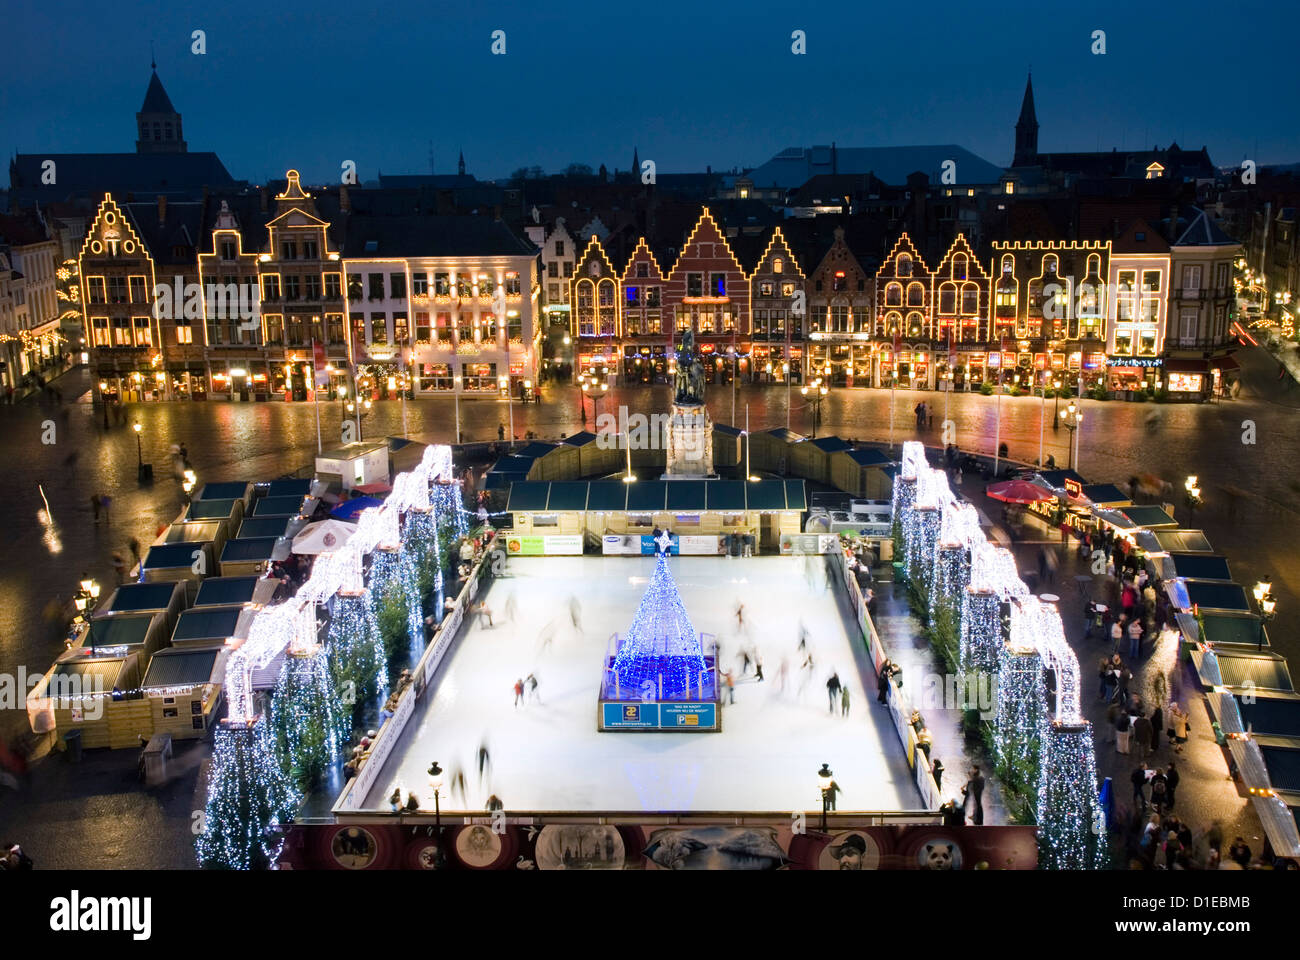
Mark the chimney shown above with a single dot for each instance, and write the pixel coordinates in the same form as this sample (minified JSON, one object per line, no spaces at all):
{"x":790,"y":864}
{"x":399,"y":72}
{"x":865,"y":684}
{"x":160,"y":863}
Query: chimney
{"x":162,"y":209}
{"x":345,"y":202}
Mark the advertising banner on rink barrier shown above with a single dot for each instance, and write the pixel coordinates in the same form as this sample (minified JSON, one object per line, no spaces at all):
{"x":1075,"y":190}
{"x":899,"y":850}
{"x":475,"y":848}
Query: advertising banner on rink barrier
{"x":566,"y":544}
{"x":621,"y":544}
{"x":809,"y":543}
{"x":850,"y":842}
{"x":701,"y":545}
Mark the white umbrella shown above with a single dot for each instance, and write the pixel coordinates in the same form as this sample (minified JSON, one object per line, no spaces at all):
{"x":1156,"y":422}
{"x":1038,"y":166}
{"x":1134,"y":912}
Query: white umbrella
{"x":323,"y":536}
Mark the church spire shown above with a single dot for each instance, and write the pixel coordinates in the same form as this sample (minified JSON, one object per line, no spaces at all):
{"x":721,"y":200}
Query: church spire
{"x":1026,"y":129}
{"x":158,"y":123}
{"x":460,"y":166}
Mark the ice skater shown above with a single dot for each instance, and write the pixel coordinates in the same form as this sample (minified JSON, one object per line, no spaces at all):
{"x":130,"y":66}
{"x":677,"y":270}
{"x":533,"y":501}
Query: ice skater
{"x":484,"y":614}
{"x":519,"y":692}
{"x":546,"y":636}
{"x":740,"y":618}
{"x":832,"y":691}
{"x":730,"y":683}
{"x":758,"y":667}
{"x":844,"y":701}
{"x":782,"y":675}
{"x":511,"y":608}
{"x":575,"y":615}
{"x":744,"y":662}
{"x":484,"y":762}
{"x":532,"y":688}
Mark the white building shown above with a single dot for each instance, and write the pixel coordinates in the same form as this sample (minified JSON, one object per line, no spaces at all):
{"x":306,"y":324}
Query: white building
{"x":449,"y":302}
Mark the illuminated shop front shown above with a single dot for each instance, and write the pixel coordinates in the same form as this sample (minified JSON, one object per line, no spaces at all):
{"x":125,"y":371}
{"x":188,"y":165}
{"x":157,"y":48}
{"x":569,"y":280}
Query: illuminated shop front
{"x":1128,"y":374}
{"x":645,"y":364}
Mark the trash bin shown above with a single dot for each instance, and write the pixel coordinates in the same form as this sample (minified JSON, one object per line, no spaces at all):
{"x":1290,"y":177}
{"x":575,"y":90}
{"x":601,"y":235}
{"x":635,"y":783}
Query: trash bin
{"x":146,"y":473}
{"x":72,"y":741}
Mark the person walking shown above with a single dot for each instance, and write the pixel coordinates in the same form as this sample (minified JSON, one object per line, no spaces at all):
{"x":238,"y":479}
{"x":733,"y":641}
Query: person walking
{"x":134,"y":546}
{"x":532,"y":688}
{"x":519,"y":692}
{"x":94,"y":506}
{"x":973,"y":795}
{"x":882,"y":682}
{"x":1116,"y":633}
{"x":501,"y":432}
{"x":832,"y":691}
{"x":1171,"y":784}
{"x":484,"y":761}
{"x":844,"y":701}
{"x":730,"y":683}
{"x":758,"y":667}
{"x":1157,"y":724}
{"x":1134,"y":639}
{"x":1159,"y":791}
{"x":1141,"y":735}
{"x":1052,"y":564}
{"x":119,"y":566}
{"x":1139,"y":778}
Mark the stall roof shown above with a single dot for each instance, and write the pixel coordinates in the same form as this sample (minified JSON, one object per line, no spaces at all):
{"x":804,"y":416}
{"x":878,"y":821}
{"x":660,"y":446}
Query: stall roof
{"x":286,"y":506}
{"x":512,"y":464}
{"x":765,"y":495}
{"x":264,"y":526}
{"x":868,"y":457}
{"x":567,"y":495}
{"x":785,"y":433}
{"x":1148,"y":516}
{"x":119,"y":631}
{"x":528,"y":496}
{"x":1213,"y":595}
{"x":1200,"y":566}
{"x":106,"y":669}
{"x":535,"y":450}
{"x":166,"y":556}
{"x":1057,"y":478}
{"x":289,"y":488}
{"x":244,"y":550}
{"x":1270,"y":716}
{"x":727,"y":430}
{"x":725,"y":495}
{"x":796,"y":497}
{"x":1105,"y":493}
{"x":500,"y":481}
{"x":223,"y":490}
{"x":580,"y":439}
{"x":687,"y":495}
{"x":1183,"y":541}
{"x":831,"y":444}
{"x":608,"y":496}
{"x":208,"y":623}
{"x":648,"y":495}
{"x":180,"y":668}
{"x":1283,"y":765}
{"x":1263,"y":671}
{"x":218,"y":591}
{"x":210,"y":510}
{"x":192,"y":531}
{"x":1246,"y":630}
{"x":141,"y":596}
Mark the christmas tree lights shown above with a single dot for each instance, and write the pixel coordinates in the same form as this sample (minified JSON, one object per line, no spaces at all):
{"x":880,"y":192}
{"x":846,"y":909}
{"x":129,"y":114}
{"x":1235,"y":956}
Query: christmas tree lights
{"x":981,"y":631}
{"x":248,"y":797}
{"x":307,"y":726}
{"x":1071,"y":823}
{"x":661,"y":653}
{"x":1022,"y":708}
{"x":358,"y":667}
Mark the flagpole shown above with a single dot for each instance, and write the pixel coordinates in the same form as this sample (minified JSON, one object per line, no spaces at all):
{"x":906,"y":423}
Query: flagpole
{"x":1042,"y":415}
{"x":316,"y":397}
{"x":997,"y":430}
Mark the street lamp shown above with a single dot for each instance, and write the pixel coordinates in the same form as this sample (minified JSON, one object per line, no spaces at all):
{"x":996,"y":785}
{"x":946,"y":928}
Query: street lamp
{"x":1072,"y":416}
{"x":139,"y":452}
{"x":1267,"y":605}
{"x":187,"y":484}
{"x":825,"y":781}
{"x":1192,"y":497}
{"x":435,"y":781}
{"x":1056,"y":403}
{"x":815,"y":393}
{"x":594,"y":383}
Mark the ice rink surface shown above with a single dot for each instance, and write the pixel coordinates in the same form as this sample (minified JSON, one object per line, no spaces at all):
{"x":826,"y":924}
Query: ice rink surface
{"x":546,"y":753}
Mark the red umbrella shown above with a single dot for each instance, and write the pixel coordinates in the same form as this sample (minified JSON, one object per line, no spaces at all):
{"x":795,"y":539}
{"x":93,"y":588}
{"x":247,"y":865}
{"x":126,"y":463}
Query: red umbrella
{"x":1019,"y":491}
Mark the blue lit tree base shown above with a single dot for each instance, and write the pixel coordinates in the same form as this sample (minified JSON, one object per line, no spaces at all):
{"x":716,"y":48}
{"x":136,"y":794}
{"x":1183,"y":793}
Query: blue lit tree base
{"x":1071,"y":824}
{"x":661,"y":653}
{"x":248,"y":797}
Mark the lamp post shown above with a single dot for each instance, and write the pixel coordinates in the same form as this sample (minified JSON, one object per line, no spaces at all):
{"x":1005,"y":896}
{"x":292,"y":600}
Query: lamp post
{"x":785,"y":366}
{"x":815,"y":393}
{"x":1072,"y":416}
{"x":103,"y":399}
{"x":1192,"y":497}
{"x":825,"y":781}
{"x":594,"y":384}
{"x":1056,"y":402}
{"x":187,"y":484}
{"x":85,"y":598}
{"x":455,"y":392}
{"x":1267,"y":605}
{"x":435,"y":781}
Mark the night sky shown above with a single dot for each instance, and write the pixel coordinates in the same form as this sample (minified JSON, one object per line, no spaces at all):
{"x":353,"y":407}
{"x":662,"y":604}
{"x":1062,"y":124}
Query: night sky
{"x":690,"y":84}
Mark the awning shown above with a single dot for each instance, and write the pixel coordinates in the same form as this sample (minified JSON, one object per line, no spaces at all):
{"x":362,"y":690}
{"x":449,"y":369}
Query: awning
{"x":1186,"y":365}
{"x":1224,"y":363}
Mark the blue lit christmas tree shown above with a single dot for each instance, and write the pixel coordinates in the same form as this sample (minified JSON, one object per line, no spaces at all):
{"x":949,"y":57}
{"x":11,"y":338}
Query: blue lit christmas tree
{"x":660,"y":657}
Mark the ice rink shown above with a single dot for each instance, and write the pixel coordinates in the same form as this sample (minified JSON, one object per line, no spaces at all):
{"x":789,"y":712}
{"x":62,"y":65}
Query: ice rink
{"x":546,"y":754}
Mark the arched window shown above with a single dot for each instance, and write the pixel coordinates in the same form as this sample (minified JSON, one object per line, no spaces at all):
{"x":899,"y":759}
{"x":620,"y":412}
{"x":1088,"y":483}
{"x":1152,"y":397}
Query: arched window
{"x":894,"y":295}
{"x":947,"y":299}
{"x":586,"y":297}
{"x":915,"y":324}
{"x":1008,"y":265}
{"x":915,"y":295}
{"x":778,"y":265}
{"x":903,"y":265}
{"x":1050,"y":264}
{"x":167,"y":129}
{"x":970,"y":298}
{"x":1094,"y":265}
{"x":959,"y":266}
{"x":893,"y":323}
{"x":605,"y":295}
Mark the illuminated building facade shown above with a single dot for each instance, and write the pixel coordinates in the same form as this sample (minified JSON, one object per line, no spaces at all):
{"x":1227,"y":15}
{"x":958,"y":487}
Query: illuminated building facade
{"x":839,"y":320}
{"x":779,"y":314}
{"x":1137,"y":290}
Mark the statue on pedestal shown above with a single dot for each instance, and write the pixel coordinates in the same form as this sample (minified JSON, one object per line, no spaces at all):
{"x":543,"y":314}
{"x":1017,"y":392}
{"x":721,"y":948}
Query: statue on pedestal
{"x":689,"y":382}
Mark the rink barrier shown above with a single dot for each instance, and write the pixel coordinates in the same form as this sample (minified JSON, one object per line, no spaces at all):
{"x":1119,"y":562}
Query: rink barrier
{"x":900,"y":708}
{"x":358,"y":788}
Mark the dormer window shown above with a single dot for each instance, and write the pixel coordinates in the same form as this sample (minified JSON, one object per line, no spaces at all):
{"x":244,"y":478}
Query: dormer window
{"x":778,"y":265}
{"x":903,"y":265}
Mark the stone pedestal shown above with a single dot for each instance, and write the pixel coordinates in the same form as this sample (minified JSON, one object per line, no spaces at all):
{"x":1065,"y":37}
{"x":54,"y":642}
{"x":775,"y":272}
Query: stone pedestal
{"x":689,"y":437}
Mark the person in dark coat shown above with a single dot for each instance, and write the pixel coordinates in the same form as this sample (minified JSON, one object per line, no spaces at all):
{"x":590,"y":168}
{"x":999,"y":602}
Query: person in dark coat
{"x":882,"y":682}
{"x":973,"y":794}
{"x":1157,"y":724}
{"x":1171,"y":784}
{"x":1139,"y":780}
